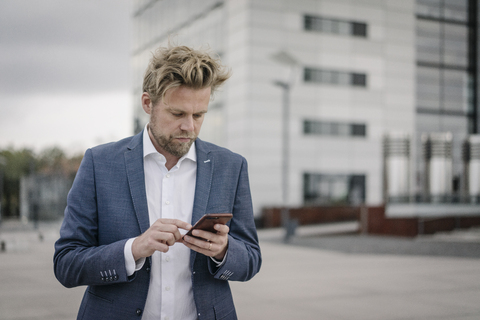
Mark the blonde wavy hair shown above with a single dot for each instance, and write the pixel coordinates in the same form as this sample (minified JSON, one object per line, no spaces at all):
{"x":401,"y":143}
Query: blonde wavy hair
{"x":182,"y":66}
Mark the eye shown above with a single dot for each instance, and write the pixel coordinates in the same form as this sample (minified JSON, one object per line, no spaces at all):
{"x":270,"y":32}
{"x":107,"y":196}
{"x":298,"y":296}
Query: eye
{"x":198,"y":116}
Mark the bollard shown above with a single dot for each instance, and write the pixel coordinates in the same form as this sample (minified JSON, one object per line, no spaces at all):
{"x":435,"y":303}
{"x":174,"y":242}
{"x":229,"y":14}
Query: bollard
{"x":3,"y":246}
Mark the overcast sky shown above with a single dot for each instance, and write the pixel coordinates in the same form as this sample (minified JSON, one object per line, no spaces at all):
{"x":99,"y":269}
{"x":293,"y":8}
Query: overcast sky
{"x":64,"y":73}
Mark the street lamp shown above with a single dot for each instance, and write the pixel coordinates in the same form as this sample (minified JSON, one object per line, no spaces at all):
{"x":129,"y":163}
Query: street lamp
{"x":284,"y":58}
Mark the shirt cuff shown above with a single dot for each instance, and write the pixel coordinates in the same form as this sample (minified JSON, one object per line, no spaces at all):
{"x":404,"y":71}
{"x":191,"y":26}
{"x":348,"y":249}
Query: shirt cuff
{"x":220,"y":263}
{"x":130,"y":264}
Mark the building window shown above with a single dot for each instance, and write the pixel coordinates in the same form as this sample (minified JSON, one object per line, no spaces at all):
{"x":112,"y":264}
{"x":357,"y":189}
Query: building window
{"x":334,"y":128}
{"x":359,"y":130}
{"x":340,"y":78}
{"x":453,"y":10}
{"x":328,"y":189}
{"x":335,"y":26}
{"x":359,"y":79}
{"x":444,"y":64}
{"x":359,"y":29}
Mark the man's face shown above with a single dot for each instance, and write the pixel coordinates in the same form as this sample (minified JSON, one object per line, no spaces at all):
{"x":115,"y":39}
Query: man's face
{"x":175,"y":120}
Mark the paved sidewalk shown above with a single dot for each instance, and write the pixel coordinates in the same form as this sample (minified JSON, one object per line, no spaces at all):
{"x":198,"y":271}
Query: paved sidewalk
{"x":306,"y":279}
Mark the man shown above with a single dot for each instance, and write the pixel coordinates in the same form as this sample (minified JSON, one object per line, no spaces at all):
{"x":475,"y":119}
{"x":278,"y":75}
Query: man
{"x":132,"y":201}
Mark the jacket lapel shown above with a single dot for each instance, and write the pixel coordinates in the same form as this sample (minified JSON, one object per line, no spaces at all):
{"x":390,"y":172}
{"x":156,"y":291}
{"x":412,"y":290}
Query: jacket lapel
{"x":205,"y":162}
{"x":136,"y":180}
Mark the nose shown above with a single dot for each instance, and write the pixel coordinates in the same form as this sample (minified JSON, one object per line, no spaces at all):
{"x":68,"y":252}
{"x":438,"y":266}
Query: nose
{"x":187,"y":124}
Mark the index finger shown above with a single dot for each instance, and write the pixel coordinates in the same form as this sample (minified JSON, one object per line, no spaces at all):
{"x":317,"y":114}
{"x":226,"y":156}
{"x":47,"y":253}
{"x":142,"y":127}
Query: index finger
{"x":179,"y":223}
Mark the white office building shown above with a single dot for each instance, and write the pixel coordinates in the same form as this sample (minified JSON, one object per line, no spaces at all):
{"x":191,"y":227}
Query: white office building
{"x":357,"y":74}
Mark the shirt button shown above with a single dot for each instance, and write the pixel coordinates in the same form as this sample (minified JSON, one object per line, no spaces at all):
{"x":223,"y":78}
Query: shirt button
{"x":167,"y":202}
{"x":168,"y":175}
{"x":167,"y":258}
{"x":167,"y":288}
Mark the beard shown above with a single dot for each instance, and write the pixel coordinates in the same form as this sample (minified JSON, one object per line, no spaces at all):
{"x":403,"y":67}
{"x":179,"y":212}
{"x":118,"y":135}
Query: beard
{"x":168,"y":143}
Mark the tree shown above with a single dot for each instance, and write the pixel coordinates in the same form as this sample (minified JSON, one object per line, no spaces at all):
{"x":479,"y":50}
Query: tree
{"x":19,"y":163}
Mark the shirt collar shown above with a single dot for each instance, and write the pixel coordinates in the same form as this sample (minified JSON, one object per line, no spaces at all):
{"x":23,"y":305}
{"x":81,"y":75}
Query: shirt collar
{"x":148,"y":149}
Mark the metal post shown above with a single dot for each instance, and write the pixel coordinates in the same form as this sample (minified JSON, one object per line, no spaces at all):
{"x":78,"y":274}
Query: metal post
{"x":285,"y":58}
{"x":287,"y":223}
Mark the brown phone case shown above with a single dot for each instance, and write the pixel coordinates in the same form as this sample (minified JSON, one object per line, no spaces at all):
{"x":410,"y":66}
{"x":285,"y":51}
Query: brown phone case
{"x":208,"y":221}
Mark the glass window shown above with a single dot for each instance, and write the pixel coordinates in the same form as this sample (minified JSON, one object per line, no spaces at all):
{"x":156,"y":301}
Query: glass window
{"x":358,"y":130}
{"x":428,"y":88}
{"x":428,"y":41}
{"x":333,"y":189}
{"x":343,"y":27}
{"x":334,"y":128}
{"x":308,"y":75}
{"x":359,"y":29}
{"x":344,"y":78}
{"x":429,"y":8}
{"x":343,"y":129}
{"x":455,"y":93}
{"x":470,"y":94}
{"x":334,"y":77}
{"x":455,"y":45}
{"x":456,"y":10}
{"x":335,"y":26}
{"x":324,"y":128}
{"x":359,"y":79}
{"x":326,"y":25}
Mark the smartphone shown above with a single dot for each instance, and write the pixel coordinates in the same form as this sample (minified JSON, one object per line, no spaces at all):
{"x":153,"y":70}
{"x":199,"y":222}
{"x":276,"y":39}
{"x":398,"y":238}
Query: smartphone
{"x":208,"y":221}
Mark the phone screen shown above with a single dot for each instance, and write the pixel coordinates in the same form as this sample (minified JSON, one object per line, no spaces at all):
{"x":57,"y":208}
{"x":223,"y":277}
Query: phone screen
{"x":208,"y":221}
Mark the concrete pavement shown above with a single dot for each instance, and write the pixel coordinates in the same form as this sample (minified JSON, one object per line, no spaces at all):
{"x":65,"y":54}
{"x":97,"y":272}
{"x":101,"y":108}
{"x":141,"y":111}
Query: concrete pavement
{"x":309,"y":282}
{"x":310,"y":278}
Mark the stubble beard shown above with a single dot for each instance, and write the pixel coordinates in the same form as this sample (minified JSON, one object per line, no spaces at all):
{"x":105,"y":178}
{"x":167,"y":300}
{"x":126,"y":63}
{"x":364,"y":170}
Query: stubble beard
{"x":168,"y":143}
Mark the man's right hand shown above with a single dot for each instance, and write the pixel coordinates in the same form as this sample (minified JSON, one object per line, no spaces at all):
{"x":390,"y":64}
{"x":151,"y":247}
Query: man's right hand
{"x":161,"y":234}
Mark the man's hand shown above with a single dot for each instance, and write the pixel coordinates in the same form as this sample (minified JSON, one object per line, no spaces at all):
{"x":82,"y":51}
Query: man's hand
{"x":215,"y":244}
{"x":161,"y":234}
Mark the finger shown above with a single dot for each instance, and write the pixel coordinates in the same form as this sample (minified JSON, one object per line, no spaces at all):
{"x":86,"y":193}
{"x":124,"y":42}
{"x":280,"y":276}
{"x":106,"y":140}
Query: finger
{"x":145,"y":246}
{"x":162,"y":247}
{"x":206,"y":235}
{"x":170,"y":226}
{"x":221,"y":228}
{"x":178,"y":223}
{"x":205,"y":247}
{"x":167,"y":238}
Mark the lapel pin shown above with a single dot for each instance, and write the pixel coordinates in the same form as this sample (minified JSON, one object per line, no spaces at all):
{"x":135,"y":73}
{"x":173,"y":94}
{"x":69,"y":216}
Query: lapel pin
{"x":206,"y":161}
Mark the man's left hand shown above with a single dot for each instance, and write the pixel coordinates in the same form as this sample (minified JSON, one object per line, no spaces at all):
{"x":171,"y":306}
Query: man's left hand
{"x":212,"y":244}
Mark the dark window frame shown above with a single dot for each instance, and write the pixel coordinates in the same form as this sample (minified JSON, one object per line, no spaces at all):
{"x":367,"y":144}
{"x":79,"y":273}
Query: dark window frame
{"x":314,"y":23}
{"x":334,"y":129}
{"x":314,"y":75}
{"x":313,"y":183}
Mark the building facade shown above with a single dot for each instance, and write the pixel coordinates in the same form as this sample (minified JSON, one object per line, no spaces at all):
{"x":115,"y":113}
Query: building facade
{"x":349,"y":73}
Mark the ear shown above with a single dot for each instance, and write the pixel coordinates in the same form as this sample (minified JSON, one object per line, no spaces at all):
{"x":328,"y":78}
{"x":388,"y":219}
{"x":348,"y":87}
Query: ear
{"x":146,"y":103}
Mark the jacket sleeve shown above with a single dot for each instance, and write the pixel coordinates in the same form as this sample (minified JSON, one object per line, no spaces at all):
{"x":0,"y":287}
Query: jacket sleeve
{"x":79,"y":259}
{"x":244,"y":258}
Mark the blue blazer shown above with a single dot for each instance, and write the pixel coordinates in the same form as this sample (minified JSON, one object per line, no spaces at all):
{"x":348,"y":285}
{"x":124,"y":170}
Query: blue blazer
{"x":107,"y":205}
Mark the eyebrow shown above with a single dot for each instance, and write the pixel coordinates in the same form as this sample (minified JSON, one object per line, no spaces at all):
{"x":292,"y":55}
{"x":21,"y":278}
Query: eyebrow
{"x":172,"y":109}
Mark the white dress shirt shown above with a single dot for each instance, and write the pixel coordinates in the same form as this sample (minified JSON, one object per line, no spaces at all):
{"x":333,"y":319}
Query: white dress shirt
{"x":170,"y":194}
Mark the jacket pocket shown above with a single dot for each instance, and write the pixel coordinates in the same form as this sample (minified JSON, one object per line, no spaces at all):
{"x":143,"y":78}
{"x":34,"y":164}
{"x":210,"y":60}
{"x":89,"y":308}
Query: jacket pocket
{"x":95,"y":307}
{"x":225,"y":309}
